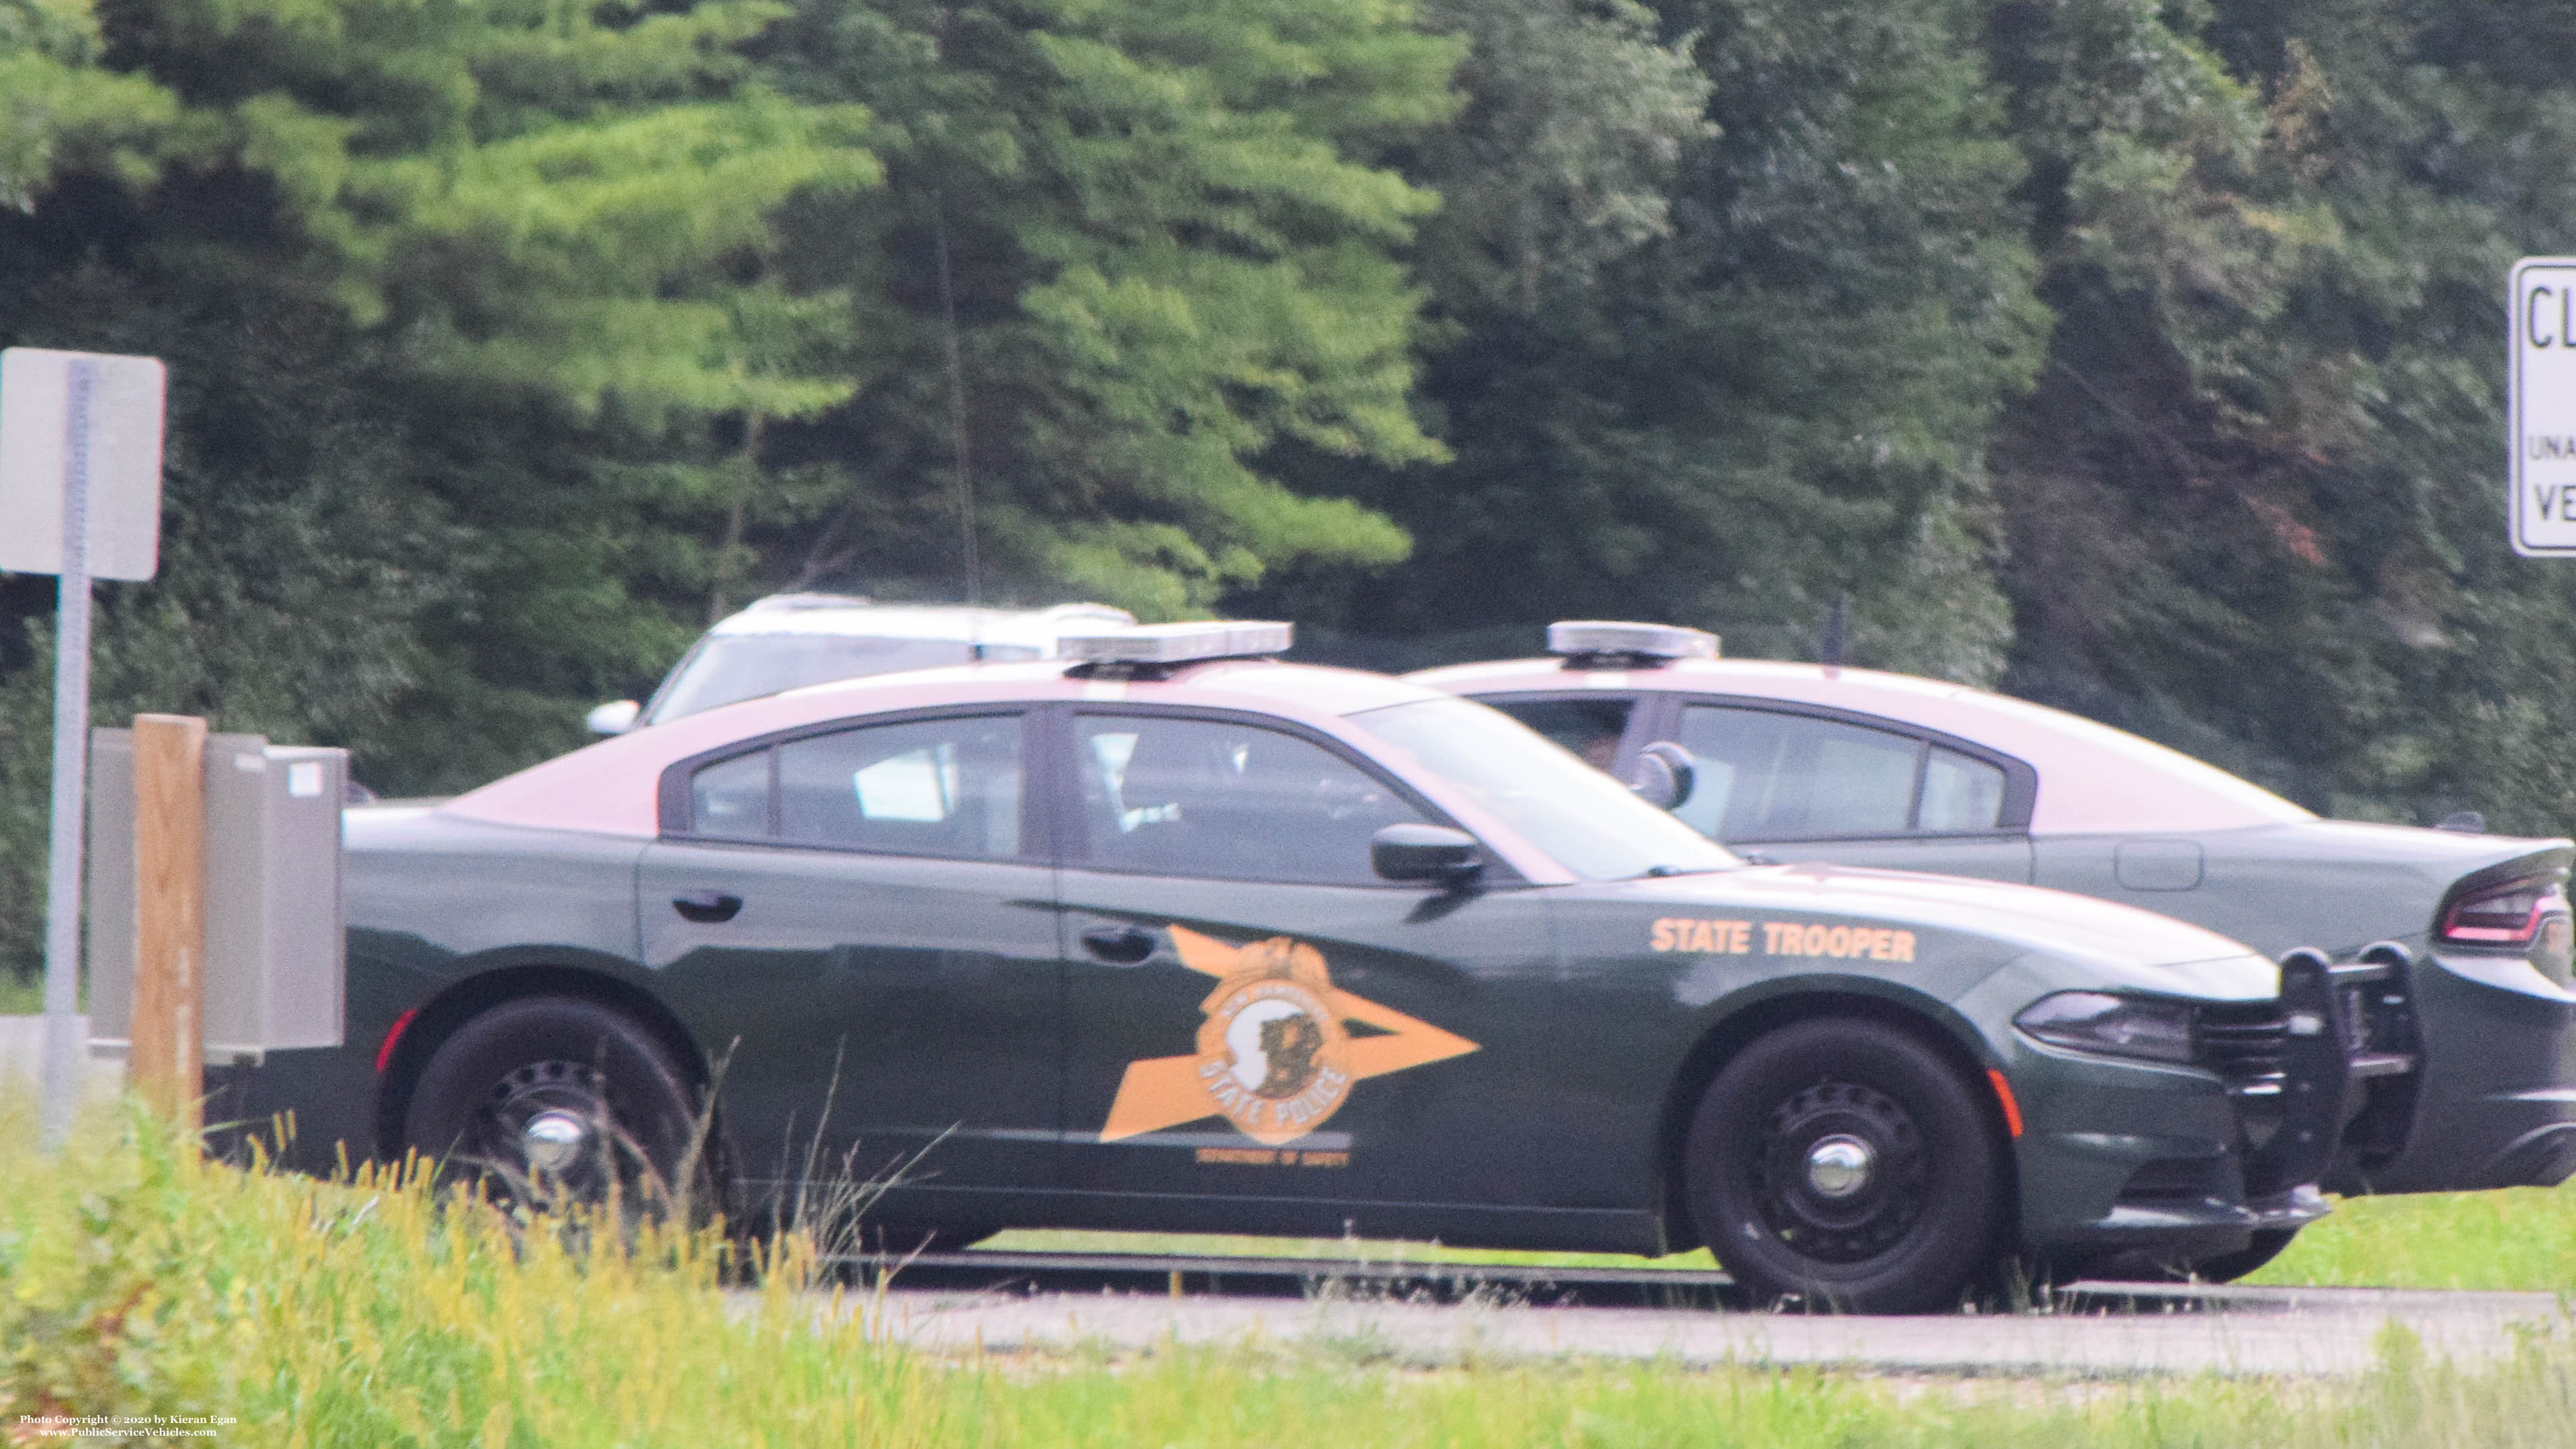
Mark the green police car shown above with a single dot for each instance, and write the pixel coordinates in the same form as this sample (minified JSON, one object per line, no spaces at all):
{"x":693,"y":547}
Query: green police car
{"x":2453,"y":949}
{"x":1178,"y":937}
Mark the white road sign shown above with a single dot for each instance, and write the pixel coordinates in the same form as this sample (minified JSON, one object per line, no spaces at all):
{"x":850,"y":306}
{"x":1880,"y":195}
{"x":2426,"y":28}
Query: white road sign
{"x":2542,"y":407}
{"x":58,"y":409}
{"x":80,"y":496}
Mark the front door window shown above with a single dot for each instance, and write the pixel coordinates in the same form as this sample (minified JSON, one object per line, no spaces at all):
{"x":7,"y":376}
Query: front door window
{"x":1197,"y":797}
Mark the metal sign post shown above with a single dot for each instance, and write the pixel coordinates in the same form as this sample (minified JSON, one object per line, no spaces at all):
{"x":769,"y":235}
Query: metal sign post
{"x":80,"y":496}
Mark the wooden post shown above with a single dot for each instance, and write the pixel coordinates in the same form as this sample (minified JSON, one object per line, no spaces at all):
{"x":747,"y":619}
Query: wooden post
{"x":166,"y":1052}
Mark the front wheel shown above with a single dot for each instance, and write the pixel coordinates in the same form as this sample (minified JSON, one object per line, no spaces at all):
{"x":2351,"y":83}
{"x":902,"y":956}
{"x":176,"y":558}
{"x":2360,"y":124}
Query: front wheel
{"x":1848,"y":1166}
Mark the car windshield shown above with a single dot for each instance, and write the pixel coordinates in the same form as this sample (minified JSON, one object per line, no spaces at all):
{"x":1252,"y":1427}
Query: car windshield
{"x":727,"y":668}
{"x":1593,"y":825}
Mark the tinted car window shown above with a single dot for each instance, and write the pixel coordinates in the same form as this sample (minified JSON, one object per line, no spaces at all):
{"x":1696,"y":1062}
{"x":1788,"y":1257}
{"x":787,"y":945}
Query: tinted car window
{"x":1589,"y":727}
{"x":1591,"y":824}
{"x":731,"y":797}
{"x":1763,"y":775}
{"x":1235,"y":801}
{"x":1959,"y":793}
{"x":927,"y":787}
{"x":931,"y":787}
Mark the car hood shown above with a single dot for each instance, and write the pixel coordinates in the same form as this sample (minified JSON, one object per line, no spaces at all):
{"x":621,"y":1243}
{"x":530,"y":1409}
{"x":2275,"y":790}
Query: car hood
{"x":2120,"y":945}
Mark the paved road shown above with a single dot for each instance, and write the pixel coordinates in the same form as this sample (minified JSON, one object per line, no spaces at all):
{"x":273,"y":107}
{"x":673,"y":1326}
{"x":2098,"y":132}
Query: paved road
{"x":2096,"y":1331}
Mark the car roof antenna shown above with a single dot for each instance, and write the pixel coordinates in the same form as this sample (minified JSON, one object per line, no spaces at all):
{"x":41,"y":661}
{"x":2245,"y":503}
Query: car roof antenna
{"x":957,"y":418}
{"x":1829,"y":650}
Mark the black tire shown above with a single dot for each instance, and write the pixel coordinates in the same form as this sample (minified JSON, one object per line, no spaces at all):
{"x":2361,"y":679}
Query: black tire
{"x":1917,"y":1215}
{"x":595,"y":1096}
{"x":2265,"y":1245}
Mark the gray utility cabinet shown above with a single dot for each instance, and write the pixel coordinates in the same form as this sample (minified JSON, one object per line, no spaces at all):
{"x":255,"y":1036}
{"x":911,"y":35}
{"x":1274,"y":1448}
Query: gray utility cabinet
{"x":276,"y":946}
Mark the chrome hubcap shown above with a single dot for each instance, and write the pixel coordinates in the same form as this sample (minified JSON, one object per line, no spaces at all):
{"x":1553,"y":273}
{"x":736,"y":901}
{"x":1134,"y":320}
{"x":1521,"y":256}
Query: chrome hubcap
{"x":1839,"y":1166}
{"x":552,"y":1140}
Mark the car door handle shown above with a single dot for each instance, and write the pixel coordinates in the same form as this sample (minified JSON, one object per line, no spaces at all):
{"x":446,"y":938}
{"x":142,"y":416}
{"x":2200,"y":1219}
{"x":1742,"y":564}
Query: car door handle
{"x":707,"y":908}
{"x":1118,"y":945}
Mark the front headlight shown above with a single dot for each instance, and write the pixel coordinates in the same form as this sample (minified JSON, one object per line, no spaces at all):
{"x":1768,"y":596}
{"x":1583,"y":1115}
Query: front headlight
{"x":2122,"y":1026}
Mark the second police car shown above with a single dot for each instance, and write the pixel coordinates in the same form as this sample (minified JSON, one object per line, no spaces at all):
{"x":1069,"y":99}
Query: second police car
{"x":2452,"y":948}
{"x":1179,"y":937}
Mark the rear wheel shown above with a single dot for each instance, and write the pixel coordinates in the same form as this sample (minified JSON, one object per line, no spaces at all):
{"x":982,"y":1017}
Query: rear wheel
{"x":1848,"y":1166}
{"x":555,"y":1101}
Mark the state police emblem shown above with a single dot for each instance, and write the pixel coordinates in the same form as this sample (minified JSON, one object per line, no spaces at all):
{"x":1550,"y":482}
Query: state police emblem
{"x":1275,"y":1056}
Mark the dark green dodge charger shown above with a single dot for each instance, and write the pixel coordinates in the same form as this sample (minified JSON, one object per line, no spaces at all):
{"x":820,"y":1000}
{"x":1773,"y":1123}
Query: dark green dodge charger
{"x":1178,"y":938}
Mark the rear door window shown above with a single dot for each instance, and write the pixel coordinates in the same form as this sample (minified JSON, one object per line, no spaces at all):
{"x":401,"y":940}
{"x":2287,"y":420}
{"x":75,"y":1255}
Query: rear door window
{"x":1765,"y":775}
{"x":949,"y":787}
{"x":1960,"y":793}
{"x":1771,"y":775}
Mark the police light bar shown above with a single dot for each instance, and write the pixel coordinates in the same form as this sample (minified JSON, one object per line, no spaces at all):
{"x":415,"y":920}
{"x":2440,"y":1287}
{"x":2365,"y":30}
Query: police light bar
{"x":1179,"y":643}
{"x":1584,"y":638}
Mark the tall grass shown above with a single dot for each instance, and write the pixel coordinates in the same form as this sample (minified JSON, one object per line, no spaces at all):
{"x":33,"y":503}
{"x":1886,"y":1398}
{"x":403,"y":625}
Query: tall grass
{"x":137,"y":1279}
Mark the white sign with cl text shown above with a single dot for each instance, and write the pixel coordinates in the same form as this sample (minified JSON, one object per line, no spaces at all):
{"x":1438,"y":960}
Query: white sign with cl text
{"x":2541,"y":405}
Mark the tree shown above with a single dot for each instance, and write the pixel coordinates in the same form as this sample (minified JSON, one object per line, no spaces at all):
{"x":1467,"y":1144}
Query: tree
{"x":1125,"y":247}
{"x":1764,"y":374}
{"x":2254,"y":504}
{"x":470,"y":310}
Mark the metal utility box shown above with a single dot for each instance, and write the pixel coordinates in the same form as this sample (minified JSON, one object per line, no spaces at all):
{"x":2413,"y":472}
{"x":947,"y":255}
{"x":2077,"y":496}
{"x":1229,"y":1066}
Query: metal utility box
{"x":276,"y":945}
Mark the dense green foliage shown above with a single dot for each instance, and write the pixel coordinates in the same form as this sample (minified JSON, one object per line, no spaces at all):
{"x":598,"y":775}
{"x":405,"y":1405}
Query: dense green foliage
{"x":2142,"y":356}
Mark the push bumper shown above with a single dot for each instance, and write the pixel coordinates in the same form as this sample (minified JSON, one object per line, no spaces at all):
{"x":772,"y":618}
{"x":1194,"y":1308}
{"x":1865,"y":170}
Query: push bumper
{"x":2496,"y":1097}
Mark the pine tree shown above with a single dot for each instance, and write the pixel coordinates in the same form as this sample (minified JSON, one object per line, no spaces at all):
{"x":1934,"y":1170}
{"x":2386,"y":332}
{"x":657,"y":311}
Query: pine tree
{"x":1125,"y":247}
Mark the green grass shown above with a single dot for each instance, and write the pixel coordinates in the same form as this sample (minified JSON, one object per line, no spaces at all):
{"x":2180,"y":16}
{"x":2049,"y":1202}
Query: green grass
{"x":2522,"y":1237}
{"x":21,"y":995}
{"x":135,"y":1279}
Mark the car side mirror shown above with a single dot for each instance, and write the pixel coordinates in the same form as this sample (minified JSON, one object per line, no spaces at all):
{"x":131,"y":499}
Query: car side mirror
{"x":1433,"y":853}
{"x":1663,"y":775}
{"x":614,"y":718}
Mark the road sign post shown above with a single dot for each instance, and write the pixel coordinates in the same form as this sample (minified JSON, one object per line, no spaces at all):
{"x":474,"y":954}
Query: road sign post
{"x":80,"y":497}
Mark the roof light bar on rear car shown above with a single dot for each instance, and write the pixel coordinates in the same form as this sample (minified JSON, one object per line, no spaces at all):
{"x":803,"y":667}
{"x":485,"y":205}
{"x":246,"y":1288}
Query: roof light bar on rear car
{"x":1164,"y":646}
{"x":1587,"y":643}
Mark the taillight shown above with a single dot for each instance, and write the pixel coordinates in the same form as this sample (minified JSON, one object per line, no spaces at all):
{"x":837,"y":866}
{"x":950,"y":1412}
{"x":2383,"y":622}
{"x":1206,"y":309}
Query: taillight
{"x":2512,"y":914}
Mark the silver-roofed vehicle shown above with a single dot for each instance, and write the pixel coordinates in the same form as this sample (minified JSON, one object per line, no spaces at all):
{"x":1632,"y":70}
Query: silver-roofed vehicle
{"x":787,"y":641}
